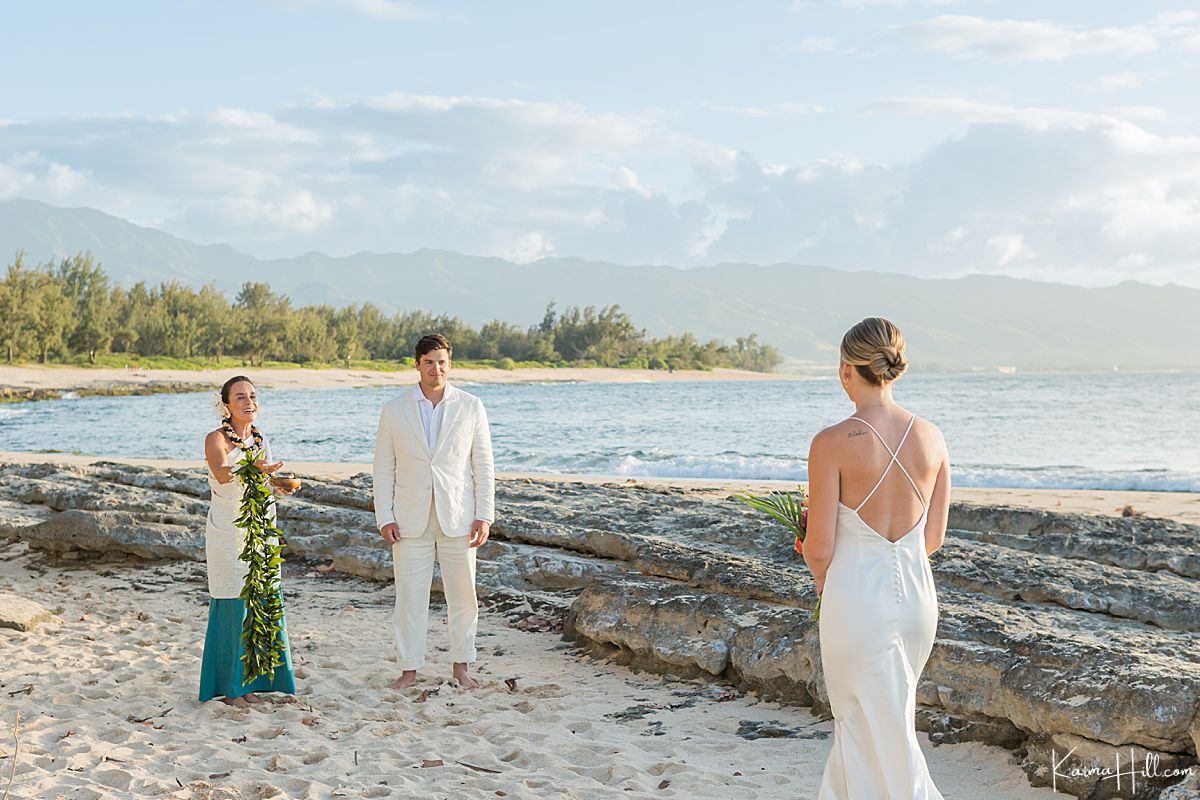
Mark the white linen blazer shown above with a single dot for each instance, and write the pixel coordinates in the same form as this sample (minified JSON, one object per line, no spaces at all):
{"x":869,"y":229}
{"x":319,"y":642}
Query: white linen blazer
{"x":459,"y":472}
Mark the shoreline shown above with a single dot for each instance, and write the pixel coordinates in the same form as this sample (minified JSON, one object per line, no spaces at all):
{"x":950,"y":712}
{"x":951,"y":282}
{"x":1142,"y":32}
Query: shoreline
{"x":1178,"y":506}
{"x":65,"y":378}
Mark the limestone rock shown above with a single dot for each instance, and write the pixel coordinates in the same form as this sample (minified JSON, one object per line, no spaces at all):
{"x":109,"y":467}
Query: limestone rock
{"x":21,"y":614}
{"x":116,"y":532}
{"x":946,"y":728}
{"x":1093,"y":771}
{"x":1131,"y":542}
{"x":1187,"y":789}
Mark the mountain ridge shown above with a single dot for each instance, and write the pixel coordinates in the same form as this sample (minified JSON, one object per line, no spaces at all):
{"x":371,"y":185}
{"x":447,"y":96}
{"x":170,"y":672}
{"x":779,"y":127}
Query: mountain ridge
{"x":974,"y":321}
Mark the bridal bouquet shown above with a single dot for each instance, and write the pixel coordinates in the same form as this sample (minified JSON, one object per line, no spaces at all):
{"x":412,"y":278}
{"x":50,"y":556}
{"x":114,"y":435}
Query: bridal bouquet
{"x":790,"y":508}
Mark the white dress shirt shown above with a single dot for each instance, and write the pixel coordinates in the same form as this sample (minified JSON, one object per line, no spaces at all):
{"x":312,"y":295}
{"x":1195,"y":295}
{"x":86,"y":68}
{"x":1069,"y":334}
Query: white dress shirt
{"x":431,"y":415}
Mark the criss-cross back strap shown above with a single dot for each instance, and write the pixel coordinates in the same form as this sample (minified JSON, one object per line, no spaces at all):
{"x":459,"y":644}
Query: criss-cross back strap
{"x":895,"y":460}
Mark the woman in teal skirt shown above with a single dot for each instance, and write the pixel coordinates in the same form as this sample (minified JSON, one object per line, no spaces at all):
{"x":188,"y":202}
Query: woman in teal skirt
{"x":221,"y":670}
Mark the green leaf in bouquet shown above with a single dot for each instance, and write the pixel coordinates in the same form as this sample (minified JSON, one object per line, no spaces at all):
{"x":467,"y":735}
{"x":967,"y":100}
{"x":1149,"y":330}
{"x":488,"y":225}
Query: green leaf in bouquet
{"x":789,"y":508}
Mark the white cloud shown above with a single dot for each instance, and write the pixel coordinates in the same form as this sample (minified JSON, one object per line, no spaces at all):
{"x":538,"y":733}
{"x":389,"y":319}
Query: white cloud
{"x":1019,"y":40}
{"x":526,"y":247}
{"x":972,"y":111}
{"x":776,"y":111}
{"x":1150,"y":211}
{"x":1148,"y":113}
{"x":240,"y":123}
{"x":629,"y":180}
{"x":897,"y":3}
{"x":1008,"y":247}
{"x":390,"y":10}
{"x":1040,"y":192}
{"x":1181,"y":28}
{"x":28,"y":171}
{"x":1123,"y":80}
{"x":817,"y":44}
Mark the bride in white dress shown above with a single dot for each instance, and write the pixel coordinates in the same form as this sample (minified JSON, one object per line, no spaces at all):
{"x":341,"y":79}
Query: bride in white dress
{"x":879,"y":486}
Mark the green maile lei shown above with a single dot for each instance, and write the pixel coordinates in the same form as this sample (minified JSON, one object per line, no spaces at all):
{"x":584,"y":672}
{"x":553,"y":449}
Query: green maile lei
{"x":262,"y":628}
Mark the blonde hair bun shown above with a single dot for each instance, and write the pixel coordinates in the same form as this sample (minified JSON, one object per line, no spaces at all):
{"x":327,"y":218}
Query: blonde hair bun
{"x":876,"y":347}
{"x":888,"y":363}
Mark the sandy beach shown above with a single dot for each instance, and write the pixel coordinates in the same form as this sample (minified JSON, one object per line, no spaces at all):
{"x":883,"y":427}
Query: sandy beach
{"x":106,"y":694}
{"x":65,"y":378}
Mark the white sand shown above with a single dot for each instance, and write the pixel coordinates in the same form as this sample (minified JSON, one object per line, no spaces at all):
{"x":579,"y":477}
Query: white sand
{"x":61,"y":377}
{"x":119,"y":650}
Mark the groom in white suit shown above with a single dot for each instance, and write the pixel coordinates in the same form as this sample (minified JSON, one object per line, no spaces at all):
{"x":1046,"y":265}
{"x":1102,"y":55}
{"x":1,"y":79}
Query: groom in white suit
{"x":434,"y":497}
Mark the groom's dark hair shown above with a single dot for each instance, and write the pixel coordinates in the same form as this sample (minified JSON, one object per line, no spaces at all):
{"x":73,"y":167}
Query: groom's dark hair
{"x":431,"y":342}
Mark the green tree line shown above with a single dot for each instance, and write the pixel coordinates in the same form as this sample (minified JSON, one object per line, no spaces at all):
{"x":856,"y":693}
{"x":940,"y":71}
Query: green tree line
{"x":55,"y":311}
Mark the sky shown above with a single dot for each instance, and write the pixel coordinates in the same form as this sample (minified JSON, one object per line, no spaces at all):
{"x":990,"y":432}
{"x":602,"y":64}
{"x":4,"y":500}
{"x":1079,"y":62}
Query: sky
{"x":938,"y":138}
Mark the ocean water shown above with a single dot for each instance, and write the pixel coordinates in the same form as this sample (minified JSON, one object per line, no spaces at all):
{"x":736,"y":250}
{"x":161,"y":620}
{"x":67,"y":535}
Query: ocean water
{"x":1078,"y":431}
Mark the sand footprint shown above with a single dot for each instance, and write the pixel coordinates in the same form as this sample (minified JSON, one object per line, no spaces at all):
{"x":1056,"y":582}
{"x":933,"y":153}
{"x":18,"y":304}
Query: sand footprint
{"x":115,"y":735}
{"x":263,"y":791}
{"x":316,"y":756}
{"x":544,"y":690}
{"x":67,"y":699}
{"x":354,"y":727}
{"x":279,"y":763}
{"x":114,"y":779}
{"x":665,"y":768}
{"x":516,"y":758}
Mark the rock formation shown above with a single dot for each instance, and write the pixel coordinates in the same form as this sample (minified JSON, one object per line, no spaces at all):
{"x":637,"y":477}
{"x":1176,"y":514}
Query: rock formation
{"x":1072,"y":640}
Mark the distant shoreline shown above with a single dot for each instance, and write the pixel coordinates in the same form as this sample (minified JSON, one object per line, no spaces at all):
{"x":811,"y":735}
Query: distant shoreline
{"x":108,"y":380}
{"x":1178,"y":506}
{"x":48,"y":382}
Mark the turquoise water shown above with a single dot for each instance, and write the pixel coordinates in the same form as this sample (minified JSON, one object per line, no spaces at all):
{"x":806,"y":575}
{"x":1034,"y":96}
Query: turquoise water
{"x":1110,"y":431}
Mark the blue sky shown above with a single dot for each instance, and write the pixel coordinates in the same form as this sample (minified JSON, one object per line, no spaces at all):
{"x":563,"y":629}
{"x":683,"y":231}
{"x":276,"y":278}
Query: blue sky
{"x":1055,"y":141}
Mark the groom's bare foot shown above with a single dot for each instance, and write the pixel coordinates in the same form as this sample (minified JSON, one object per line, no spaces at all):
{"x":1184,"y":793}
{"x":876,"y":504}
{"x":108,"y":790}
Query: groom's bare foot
{"x":407,"y":678}
{"x":462,"y":678}
{"x":236,"y":702}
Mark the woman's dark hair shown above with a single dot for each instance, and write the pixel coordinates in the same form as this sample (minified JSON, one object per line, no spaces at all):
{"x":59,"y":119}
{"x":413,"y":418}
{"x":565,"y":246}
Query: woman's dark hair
{"x":229,"y":385}
{"x":431,"y":342}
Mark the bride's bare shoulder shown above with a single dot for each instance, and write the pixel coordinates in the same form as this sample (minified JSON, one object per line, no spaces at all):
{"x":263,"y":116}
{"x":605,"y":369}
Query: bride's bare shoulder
{"x":836,"y":433}
{"x":922,"y":425}
{"x":928,"y":432}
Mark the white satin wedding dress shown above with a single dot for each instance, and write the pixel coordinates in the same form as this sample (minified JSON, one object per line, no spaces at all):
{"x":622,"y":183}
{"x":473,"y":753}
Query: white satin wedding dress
{"x":878,"y":618}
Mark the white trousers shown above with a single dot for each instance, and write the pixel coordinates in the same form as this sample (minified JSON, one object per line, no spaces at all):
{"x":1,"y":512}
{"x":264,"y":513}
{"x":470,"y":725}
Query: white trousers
{"x":412,"y":564}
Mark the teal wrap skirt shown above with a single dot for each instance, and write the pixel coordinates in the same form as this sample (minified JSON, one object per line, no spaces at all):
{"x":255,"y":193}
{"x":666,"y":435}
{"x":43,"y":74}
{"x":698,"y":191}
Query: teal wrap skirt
{"x":221,"y":668}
